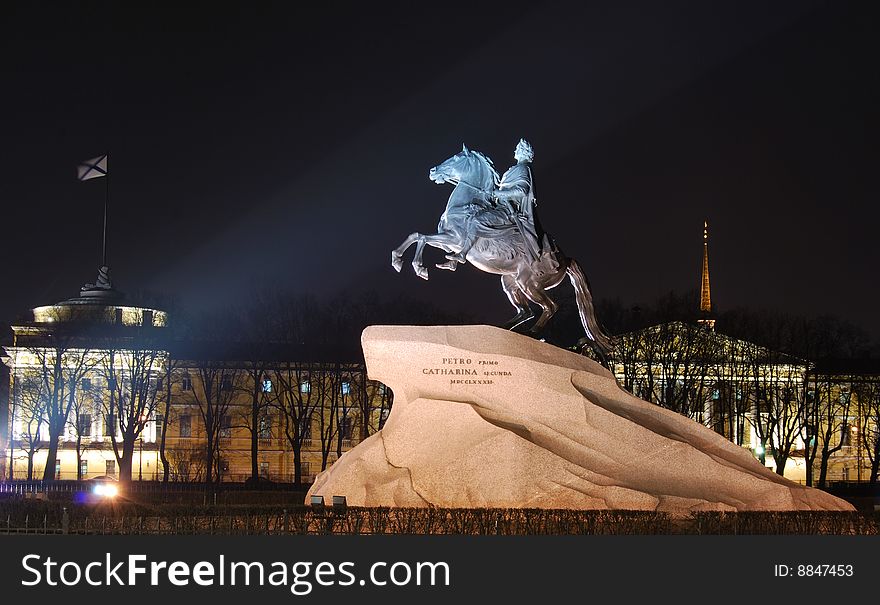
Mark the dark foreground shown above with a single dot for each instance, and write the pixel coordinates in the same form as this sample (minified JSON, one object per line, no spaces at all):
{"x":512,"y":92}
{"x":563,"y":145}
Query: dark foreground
{"x":125,"y":518}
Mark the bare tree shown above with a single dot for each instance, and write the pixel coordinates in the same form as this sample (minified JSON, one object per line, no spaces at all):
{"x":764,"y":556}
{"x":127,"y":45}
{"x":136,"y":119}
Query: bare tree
{"x":297,"y":398}
{"x":372,"y":400}
{"x":341,"y":391}
{"x":328,"y":385}
{"x":213,"y":394}
{"x":60,"y":370}
{"x":867,"y":392}
{"x":28,"y":412}
{"x":81,"y":421}
{"x":186,"y":465}
{"x":132,"y":374}
{"x":256,"y":383}
{"x":733,"y":406}
{"x":778,"y":406}
{"x":382,"y":398}
{"x":164,"y":395}
{"x":827,"y":425}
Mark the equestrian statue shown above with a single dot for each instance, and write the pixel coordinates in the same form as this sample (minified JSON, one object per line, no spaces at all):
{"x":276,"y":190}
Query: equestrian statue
{"x":492,"y":223}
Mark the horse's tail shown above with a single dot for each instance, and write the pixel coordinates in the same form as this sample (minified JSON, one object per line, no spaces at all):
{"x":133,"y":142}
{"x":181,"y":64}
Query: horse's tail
{"x":585,"y":307}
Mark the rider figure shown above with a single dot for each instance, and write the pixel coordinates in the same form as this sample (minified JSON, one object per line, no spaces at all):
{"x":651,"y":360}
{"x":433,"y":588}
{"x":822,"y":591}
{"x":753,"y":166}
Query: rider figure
{"x":516,"y":195}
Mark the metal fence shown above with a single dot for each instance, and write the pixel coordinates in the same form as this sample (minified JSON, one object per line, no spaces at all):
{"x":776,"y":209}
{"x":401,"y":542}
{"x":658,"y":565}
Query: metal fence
{"x":72,"y":486}
{"x":436,"y":521}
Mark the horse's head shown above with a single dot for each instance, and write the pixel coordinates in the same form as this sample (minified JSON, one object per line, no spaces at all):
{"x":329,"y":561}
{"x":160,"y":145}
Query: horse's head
{"x":468,"y":166}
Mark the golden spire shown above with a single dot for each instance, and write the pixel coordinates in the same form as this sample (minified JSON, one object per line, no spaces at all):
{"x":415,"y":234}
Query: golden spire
{"x":705,"y":292}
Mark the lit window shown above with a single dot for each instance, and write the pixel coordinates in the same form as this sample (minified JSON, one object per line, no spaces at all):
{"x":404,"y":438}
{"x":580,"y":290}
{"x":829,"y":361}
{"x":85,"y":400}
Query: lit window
{"x":83,"y":468}
{"x":305,"y":386}
{"x":264,"y":470}
{"x":186,"y":382}
{"x":267,"y":386}
{"x":226,"y":426}
{"x":346,"y":387}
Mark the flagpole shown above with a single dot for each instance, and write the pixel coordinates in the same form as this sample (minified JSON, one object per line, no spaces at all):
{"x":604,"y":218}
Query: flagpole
{"x":106,"y":204}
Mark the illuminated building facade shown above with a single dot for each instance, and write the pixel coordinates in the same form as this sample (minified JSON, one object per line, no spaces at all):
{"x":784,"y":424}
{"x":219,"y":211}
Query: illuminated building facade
{"x":819,"y":421}
{"x":107,"y":383}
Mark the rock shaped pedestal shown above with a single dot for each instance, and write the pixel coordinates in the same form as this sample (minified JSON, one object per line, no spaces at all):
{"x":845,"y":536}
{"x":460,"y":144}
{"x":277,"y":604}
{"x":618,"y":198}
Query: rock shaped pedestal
{"x":483,"y":417}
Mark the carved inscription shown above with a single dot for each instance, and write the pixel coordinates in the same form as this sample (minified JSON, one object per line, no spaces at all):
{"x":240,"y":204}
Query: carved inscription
{"x":468,"y":370}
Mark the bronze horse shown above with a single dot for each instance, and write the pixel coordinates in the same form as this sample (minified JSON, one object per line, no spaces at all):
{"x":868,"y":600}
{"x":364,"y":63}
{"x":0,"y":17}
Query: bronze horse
{"x":503,"y":252}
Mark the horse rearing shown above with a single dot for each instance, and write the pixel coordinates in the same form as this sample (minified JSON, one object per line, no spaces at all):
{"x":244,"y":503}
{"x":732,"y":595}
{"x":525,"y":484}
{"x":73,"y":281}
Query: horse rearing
{"x":504,"y":253}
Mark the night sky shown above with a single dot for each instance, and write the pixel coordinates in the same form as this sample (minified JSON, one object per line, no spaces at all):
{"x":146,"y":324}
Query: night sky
{"x":256,"y":148}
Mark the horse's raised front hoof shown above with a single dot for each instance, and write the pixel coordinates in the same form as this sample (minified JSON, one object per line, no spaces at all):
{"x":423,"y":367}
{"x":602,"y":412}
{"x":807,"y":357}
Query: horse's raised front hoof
{"x":396,"y":261}
{"x":448,"y":265}
{"x":421,"y":272}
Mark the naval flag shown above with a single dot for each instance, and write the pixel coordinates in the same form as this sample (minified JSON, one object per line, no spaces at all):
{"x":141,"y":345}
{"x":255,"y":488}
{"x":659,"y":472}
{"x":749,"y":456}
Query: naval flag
{"x":92,"y":169}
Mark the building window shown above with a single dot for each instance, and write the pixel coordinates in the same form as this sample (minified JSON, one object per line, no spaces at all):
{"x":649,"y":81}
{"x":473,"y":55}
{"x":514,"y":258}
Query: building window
{"x":110,"y":428}
{"x":305,"y":469}
{"x":307,"y":429}
{"x":847,"y":432}
{"x":347,"y":425}
{"x":159,"y":384}
{"x":226,"y":425}
{"x":265,"y":427}
{"x":57,"y":469}
{"x":267,"y":385}
{"x":186,"y":426}
{"x":160,"y":420}
{"x":346,"y":387}
{"x":110,"y":468}
{"x":84,"y":426}
{"x":224,"y":466}
{"x":186,"y":382}
{"x":148,"y":318}
{"x":118,"y":315}
{"x":305,"y":386}
{"x":86,"y":384}
{"x":227,"y":382}
{"x":264,"y":470}
{"x":111,"y":384}
{"x":83,"y":468}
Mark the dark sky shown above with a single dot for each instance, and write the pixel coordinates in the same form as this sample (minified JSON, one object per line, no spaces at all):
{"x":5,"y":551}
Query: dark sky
{"x":290,"y":148}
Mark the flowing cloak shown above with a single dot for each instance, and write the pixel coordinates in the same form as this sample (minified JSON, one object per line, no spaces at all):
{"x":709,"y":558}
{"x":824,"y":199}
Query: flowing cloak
{"x":516,"y":190}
